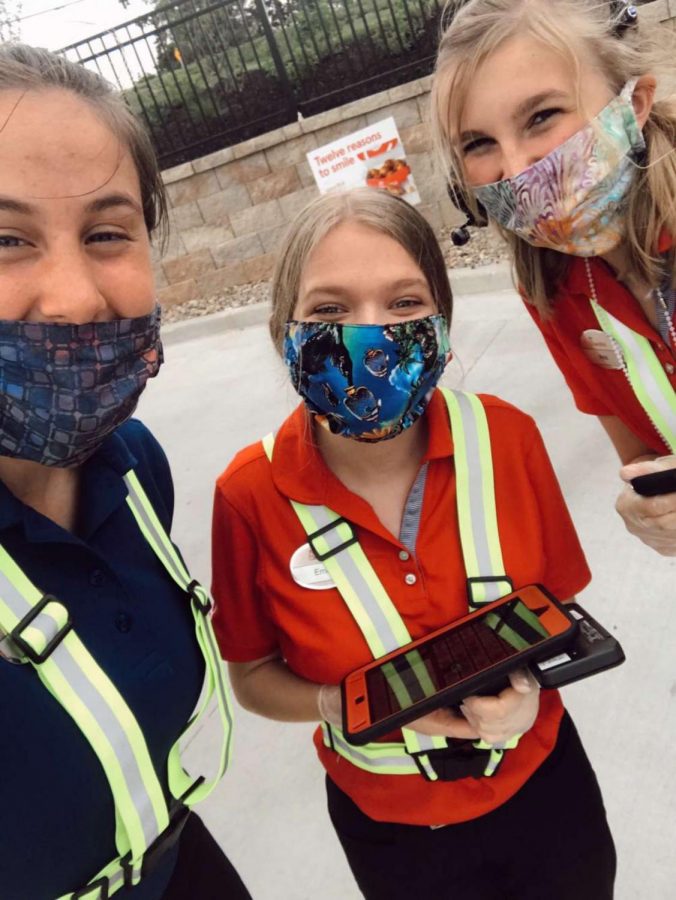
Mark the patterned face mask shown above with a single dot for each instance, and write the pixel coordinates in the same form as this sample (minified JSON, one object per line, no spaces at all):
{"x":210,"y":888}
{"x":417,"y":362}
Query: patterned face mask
{"x":367,"y":382}
{"x":65,"y":388}
{"x":572,"y":200}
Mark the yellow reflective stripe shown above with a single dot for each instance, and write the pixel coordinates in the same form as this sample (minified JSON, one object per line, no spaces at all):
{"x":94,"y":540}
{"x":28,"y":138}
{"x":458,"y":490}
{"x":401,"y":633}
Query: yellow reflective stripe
{"x":268,"y":443}
{"x":464,"y":504}
{"x":155,"y":535}
{"x":179,"y":780}
{"x":17,"y":577}
{"x":62,"y":689}
{"x":153,"y":531}
{"x":475,"y":490}
{"x":490,"y":513}
{"x":646,"y":376}
{"x":379,"y":643}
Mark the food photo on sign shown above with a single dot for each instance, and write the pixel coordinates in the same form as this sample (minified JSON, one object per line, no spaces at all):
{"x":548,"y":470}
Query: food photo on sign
{"x":373,"y":156}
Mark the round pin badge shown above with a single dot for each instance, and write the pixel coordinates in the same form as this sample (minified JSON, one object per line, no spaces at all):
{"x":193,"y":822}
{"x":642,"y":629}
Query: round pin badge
{"x":599,"y":349}
{"x":308,"y":571}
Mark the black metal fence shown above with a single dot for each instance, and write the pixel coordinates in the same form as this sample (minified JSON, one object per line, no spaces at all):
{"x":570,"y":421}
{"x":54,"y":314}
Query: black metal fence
{"x":206,"y":74}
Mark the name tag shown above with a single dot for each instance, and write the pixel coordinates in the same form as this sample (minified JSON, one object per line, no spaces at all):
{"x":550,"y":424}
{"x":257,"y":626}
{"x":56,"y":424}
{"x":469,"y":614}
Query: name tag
{"x":308,"y":571}
{"x":599,"y":349}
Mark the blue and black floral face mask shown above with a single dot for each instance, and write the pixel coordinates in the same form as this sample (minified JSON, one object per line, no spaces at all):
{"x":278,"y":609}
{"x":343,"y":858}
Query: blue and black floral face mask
{"x":65,"y":388}
{"x":367,"y":382}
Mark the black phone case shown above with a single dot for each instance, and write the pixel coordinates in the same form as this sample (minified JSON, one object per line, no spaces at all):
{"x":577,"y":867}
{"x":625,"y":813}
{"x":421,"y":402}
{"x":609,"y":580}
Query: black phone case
{"x":592,"y":650}
{"x":655,"y":483}
{"x":483,"y":683}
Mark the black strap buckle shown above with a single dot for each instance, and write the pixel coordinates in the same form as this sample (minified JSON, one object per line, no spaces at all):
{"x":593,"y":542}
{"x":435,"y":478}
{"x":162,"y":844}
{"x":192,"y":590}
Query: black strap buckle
{"x":197,"y":596}
{"x":485,"y":579}
{"x":320,"y":531}
{"x":461,"y":759}
{"x":159,"y":846}
{"x":16,"y":634}
{"x":101,"y":885}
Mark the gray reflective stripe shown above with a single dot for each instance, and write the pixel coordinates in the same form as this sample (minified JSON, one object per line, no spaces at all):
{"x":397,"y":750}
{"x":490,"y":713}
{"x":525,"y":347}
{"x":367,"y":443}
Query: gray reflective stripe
{"x":366,"y":760}
{"x":44,"y":622}
{"x":115,"y":882}
{"x":110,"y":726}
{"x":98,"y":707}
{"x":322,"y":515}
{"x":425,"y":741}
{"x":218,"y":671}
{"x":169,"y":563}
{"x":410,"y":523}
{"x":476,"y":499}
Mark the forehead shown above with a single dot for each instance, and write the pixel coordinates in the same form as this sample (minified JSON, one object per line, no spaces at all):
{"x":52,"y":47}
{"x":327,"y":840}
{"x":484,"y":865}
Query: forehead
{"x":352,"y":247}
{"x":521,"y":67}
{"x":53,"y":145}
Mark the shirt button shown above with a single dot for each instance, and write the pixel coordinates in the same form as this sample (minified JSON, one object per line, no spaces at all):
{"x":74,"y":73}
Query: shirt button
{"x":404,"y":555}
{"x":669,"y":368}
{"x":410,"y":578}
{"x":123,"y":622}
{"x":97,"y":577}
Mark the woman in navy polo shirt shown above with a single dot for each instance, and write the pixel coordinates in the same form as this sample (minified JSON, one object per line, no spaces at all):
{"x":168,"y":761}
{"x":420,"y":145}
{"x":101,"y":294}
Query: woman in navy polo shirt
{"x":80,"y":193}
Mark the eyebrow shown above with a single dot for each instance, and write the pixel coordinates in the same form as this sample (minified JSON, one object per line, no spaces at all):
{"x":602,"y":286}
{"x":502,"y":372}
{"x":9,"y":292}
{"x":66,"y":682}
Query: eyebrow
{"x":531,"y":103}
{"x":101,"y":204}
{"x":338,"y":291}
{"x":523,"y":109}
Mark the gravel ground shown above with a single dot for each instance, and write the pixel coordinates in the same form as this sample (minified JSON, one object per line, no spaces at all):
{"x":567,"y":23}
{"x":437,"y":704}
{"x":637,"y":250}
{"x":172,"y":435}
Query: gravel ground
{"x":484,"y":247}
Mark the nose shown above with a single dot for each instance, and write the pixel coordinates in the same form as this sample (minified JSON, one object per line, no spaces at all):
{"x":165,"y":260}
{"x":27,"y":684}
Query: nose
{"x":516,"y":159}
{"x":68,"y":291}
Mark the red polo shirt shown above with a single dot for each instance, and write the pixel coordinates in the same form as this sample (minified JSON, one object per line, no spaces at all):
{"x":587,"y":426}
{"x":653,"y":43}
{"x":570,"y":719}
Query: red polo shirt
{"x":261,"y":610}
{"x":599,"y":391}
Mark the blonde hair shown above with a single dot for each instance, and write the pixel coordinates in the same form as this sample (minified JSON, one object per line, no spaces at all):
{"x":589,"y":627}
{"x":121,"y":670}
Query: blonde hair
{"x":568,"y":27}
{"x":368,"y":206}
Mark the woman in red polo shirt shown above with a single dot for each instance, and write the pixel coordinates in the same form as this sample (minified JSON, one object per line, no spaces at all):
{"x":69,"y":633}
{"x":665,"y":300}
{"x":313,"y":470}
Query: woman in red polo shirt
{"x":546,"y":118}
{"x":360,"y":286}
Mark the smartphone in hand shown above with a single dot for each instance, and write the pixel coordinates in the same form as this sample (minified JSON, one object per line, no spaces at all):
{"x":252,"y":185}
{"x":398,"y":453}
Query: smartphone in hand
{"x":655,"y":483}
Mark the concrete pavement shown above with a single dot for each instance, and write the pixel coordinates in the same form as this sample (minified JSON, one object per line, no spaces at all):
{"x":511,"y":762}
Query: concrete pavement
{"x":226,"y":389}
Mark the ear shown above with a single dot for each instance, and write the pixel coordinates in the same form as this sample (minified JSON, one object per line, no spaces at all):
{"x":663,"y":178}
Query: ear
{"x":643,"y":98}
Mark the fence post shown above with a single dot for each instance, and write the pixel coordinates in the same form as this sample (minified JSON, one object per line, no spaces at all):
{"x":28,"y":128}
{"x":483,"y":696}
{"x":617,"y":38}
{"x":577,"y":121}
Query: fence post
{"x":291,"y":103}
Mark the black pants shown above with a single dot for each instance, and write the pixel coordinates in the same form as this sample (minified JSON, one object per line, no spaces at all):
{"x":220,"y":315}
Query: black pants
{"x":203,"y":871}
{"x":550,"y":841}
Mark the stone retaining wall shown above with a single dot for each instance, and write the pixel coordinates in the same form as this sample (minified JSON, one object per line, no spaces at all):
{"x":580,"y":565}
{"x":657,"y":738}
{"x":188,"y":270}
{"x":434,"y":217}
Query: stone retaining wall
{"x":229,"y":210}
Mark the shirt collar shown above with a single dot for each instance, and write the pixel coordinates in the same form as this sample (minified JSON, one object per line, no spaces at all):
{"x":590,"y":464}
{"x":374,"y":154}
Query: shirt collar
{"x":613,"y":296}
{"x":101,"y":491}
{"x":300,"y":473}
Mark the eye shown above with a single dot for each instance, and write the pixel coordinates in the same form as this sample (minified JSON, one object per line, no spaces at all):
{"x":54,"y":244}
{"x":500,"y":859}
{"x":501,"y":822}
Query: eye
{"x":106,"y":237}
{"x":407,"y":302}
{"x":543,"y":116}
{"x":9,"y":241}
{"x":327,"y":309}
{"x":477,"y":144}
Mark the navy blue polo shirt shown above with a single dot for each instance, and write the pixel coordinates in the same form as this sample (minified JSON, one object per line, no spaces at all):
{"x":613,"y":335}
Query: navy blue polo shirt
{"x":57,"y":822}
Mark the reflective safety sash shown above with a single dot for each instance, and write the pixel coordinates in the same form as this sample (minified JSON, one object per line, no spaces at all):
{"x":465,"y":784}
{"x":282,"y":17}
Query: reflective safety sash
{"x":645,"y":374}
{"x":40,"y":632}
{"x":334,"y":543}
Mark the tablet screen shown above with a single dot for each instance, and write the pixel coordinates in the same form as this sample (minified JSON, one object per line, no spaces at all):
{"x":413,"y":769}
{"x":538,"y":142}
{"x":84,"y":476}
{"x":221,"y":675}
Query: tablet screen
{"x":452,"y":657}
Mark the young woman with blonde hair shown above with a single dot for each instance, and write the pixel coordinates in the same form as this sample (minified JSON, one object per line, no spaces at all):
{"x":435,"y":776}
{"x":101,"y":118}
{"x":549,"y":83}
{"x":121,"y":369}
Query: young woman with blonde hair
{"x":546,"y":118}
{"x":361,"y":310}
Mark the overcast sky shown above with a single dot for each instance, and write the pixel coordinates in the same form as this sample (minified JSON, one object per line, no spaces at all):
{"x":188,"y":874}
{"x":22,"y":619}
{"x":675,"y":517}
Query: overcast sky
{"x":76,"y":19}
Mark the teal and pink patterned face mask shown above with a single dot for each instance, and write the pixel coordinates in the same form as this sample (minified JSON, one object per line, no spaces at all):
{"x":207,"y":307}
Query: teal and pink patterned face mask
{"x":367,"y":382}
{"x":573,"y":200}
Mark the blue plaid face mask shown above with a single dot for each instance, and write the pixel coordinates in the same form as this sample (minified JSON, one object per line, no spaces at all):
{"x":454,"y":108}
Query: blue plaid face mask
{"x":367,"y":382}
{"x":65,"y":388}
